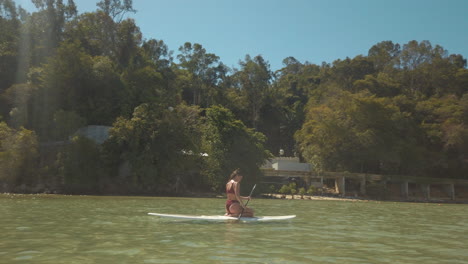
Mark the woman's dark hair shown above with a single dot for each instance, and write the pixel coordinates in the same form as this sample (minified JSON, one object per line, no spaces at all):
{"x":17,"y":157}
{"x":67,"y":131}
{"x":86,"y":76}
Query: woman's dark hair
{"x":235,"y":173}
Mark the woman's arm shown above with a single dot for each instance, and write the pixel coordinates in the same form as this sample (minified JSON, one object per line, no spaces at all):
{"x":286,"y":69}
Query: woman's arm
{"x":240,"y":198}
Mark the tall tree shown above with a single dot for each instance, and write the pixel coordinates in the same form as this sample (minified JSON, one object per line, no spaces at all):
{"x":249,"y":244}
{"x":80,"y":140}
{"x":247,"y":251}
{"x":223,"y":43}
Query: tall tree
{"x":346,"y":72}
{"x":159,"y":144}
{"x":9,"y":52}
{"x":253,"y":80}
{"x":354,"y":132}
{"x":444,"y":134}
{"x":414,"y":59}
{"x":54,"y":13}
{"x":384,"y":55}
{"x":9,"y":42}
{"x":100,"y":35}
{"x":96,"y":33}
{"x":116,"y":9}
{"x":206,"y":72}
{"x":230,"y":145}
{"x":383,"y":85}
{"x":158,"y":53}
{"x":18,"y":156}
{"x":283,"y":113}
{"x":74,"y":81}
{"x":80,"y":166}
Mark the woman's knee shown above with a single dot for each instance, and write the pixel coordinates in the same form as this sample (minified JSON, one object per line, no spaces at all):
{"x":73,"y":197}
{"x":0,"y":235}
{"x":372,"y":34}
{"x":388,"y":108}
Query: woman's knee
{"x":235,"y":209}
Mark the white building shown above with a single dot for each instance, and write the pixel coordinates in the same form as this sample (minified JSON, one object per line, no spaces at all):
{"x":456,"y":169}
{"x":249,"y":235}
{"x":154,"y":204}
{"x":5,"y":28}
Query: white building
{"x":98,"y":134}
{"x":287,"y":164}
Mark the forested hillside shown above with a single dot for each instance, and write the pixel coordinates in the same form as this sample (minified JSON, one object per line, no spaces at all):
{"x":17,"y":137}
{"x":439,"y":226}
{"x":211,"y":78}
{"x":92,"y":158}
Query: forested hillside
{"x":183,"y":120}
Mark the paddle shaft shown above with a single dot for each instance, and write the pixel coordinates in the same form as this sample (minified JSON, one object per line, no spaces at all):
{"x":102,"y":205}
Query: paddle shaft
{"x":255,"y":185}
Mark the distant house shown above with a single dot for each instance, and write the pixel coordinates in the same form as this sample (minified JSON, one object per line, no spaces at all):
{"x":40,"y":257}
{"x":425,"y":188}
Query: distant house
{"x":287,"y":164}
{"x":287,"y":170}
{"x":98,"y":134}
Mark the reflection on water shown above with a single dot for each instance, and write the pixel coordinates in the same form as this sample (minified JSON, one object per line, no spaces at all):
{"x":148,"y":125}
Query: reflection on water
{"x":82,"y":229}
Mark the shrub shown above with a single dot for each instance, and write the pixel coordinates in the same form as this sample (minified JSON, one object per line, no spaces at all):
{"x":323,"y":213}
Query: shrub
{"x":302,"y":191}
{"x":311,"y":190}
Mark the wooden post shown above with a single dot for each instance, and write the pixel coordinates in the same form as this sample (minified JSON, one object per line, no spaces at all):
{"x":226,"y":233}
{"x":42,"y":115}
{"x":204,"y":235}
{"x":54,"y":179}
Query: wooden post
{"x":321,"y":185}
{"x":450,"y":190}
{"x":340,"y":185}
{"x":404,"y":190}
{"x":426,"y":188}
{"x":362,"y":186}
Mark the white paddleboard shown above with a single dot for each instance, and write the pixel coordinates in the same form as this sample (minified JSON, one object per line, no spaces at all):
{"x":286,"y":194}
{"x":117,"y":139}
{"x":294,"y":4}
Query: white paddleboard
{"x":224,"y":218}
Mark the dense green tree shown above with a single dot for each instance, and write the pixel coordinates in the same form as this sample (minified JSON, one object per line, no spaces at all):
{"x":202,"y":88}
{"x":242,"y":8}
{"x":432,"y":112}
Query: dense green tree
{"x":10,"y":28}
{"x":446,"y":75}
{"x":156,"y":57}
{"x":116,"y":9}
{"x":417,"y":61}
{"x":353,"y":132}
{"x":158,"y":53}
{"x":18,"y":156}
{"x":383,"y":85}
{"x":384,"y":55}
{"x":43,"y":30}
{"x":79,"y":165}
{"x":230,"y":145}
{"x":99,"y":35}
{"x":9,"y":42}
{"x":445,"y":134}
{"x":64,"y":83}
{"x":147,"y":82}
{"x":96,"y":33}
{"x":346,"y":72}
{"x":66,"y":124}
{"x":17,"y":100}
{"x":204,"y":74}
{"x":129,"y":40}
{"x":283,"y":112}
{"x":253,"y":82}
{"x":159,"y":144}
{"x":73,"y":80}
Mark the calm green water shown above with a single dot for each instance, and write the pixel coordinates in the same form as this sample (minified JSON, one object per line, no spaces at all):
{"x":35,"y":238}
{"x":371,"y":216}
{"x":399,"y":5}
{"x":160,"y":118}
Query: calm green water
{"x":87,"y":229}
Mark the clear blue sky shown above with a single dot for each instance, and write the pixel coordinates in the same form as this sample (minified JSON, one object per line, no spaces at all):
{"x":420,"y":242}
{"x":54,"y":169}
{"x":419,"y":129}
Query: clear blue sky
{"x":309,"y":30}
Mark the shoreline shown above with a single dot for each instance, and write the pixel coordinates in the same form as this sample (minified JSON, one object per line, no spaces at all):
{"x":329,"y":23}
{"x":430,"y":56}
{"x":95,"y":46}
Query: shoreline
{"x":360,"y":199}
{"x":261,"y":196}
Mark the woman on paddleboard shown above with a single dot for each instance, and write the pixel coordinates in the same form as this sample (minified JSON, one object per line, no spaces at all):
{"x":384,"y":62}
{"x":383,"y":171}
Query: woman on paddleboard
{"x":234,"y":204}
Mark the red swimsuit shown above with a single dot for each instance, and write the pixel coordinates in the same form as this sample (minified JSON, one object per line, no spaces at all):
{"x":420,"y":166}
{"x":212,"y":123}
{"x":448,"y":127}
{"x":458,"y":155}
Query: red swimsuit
{"x":230,"y":202}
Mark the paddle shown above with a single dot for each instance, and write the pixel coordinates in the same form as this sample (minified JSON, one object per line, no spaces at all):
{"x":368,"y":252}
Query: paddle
{"x":255,"y":185}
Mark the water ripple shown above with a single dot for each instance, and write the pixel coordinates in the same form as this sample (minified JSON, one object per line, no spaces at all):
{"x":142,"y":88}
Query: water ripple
{"x":71,"y":229}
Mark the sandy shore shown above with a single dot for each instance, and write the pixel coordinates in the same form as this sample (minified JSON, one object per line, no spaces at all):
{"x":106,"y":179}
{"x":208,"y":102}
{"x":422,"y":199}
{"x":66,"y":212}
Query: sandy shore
{"x":316,"y":198}
{"x":359,"y":199}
